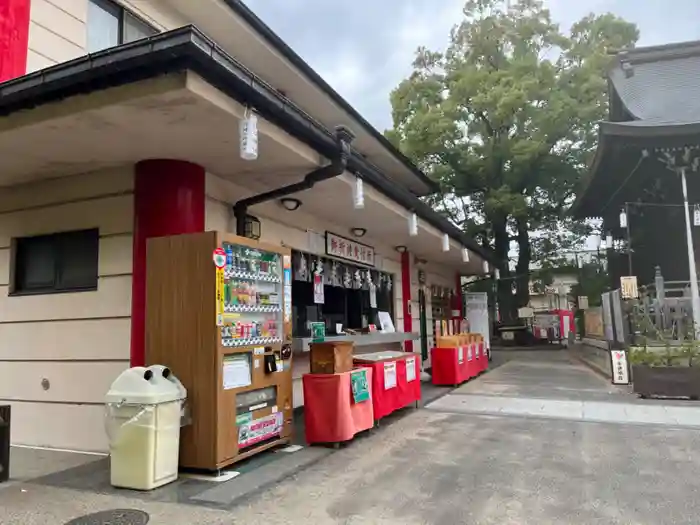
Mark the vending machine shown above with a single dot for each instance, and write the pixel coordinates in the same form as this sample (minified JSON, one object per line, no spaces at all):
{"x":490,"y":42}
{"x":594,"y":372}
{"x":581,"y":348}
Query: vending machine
{"x":218,"y":314}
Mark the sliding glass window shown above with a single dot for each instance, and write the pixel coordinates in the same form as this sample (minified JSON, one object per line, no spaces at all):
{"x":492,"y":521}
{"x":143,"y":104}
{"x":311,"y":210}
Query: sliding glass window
{"x":109,"y":25}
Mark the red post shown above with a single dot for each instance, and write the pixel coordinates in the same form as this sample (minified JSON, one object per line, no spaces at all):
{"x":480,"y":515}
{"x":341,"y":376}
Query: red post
{"x":168,"y":200}
{"x":14,"y":38}
{"x":406,"y":297}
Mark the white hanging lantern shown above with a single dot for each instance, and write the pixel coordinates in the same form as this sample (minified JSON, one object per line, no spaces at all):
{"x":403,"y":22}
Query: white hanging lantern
{"x":413,"y":225}
{"x":609,"y":240}
{"x":248,"y":131}
{"x":465,"y":255}
{"x":486,"y":267}
{"x":623,"y":218}
{"x":497,"y":274}
{"x":358,"y":194}
{"x":445,"y":243}
{"x":696,"y":215}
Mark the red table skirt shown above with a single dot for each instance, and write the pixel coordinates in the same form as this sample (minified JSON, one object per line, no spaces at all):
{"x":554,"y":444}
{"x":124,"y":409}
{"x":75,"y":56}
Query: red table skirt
{"x":330,"y":414}
{"x":484,"y":357}
{"x":405,"y":392}
{"x":452,"y":366}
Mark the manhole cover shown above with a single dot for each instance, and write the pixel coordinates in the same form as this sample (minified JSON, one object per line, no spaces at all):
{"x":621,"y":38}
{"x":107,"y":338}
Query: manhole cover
{"x":113,"y":517}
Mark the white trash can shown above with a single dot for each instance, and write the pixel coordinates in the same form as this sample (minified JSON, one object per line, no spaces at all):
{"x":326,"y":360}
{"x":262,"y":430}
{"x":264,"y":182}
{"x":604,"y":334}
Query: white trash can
{"x":143,"y":419}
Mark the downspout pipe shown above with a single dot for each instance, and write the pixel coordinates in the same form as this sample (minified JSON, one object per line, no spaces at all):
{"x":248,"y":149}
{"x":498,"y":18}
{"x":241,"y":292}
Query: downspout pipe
{"x":343,"y":138}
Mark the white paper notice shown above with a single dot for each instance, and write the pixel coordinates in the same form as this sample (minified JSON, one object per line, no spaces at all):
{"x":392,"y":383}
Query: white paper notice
{"x":236,"y":371}
{"x":410,"y":369}
{"x":385,"y":322}
{"x":460,"y":355}
{"x":389,"y":375}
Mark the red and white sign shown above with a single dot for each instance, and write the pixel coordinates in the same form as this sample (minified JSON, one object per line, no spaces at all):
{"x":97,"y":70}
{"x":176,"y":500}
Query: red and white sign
{"x":342,"y":248}
{"x":620,"y":370}
{"x":219,"y":257}
{"x":259,"y":430}
{"x":319,"y":291}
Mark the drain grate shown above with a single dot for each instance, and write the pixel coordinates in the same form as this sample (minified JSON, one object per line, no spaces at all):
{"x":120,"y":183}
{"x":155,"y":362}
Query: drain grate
{"x":113,"y":517}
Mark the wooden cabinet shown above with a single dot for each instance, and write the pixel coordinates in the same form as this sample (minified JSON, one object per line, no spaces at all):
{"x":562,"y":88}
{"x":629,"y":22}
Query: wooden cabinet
{"x":331,"y":357}
{"x":226,"y":334}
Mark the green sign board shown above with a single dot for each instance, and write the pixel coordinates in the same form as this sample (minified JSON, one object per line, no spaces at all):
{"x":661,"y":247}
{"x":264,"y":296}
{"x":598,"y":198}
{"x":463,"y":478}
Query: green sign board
{"x":360,"y":390}
{"x":318,"y":332}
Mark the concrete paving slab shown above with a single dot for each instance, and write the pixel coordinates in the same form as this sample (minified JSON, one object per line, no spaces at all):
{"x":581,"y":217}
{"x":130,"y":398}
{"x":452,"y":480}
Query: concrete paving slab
{"x":452,"y":469}
{"x":551,"y":464}
{"x":509,"y":406}
{"x":28,"y":463}
{"x":93,"y":477}
{"x":29,"y":504}
{"x":593,"y":411}
{"x":225,"y":494}
{"x":684,"y":416}
{"x":432,"y":468}
{"x":617,"y":413}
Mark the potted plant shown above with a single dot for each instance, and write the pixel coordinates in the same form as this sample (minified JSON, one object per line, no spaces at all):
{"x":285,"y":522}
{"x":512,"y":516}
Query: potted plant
{"x":662,"y":367}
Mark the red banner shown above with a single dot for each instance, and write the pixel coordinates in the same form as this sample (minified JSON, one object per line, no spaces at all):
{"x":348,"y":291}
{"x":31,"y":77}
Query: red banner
{"x":14,"y":38}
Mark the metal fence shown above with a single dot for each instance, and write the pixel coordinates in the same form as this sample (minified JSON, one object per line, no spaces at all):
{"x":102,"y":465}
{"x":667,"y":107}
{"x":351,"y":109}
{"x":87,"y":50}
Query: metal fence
{"x":663,"y":312}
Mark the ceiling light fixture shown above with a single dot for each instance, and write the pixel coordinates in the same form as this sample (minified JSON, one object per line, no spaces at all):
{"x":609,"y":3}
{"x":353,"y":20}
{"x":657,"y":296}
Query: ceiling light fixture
{"x":358,"y":232}
{"x":290,"y":203}
{"x":401,"y":249}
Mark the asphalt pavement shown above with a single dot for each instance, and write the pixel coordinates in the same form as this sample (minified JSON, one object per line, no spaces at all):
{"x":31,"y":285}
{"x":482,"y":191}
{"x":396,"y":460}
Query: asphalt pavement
{"x":524,"y":444}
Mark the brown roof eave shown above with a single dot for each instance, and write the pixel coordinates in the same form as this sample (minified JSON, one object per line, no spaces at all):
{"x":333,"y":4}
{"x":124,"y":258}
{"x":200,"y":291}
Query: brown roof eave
{"x":581,"y":208}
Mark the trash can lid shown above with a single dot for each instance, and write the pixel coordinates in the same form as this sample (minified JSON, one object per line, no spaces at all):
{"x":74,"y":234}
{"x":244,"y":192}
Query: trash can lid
{"x":163,"y":373}
{"x":141,"y":385}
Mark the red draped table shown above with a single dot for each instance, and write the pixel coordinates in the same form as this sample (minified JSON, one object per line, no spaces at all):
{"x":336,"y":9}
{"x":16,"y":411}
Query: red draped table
{"x":452,"y":366}
{"x":330,"y":414}
{"x":482,"y":355}
{"x":395,"y":379}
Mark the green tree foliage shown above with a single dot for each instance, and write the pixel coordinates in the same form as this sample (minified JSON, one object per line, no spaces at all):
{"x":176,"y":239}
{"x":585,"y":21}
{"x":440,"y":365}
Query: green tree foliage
{"x":505,"y":119}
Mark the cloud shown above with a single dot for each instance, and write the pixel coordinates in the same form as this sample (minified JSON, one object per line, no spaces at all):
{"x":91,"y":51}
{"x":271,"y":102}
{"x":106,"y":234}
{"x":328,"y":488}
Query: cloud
{"x":365,"y":48}
{"x":346,"y":74}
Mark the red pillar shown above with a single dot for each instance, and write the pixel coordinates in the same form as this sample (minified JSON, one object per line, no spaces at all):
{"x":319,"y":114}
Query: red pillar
{"x":168,"y":200}
{"x":406,"y":297}
{"x":14,"y":38}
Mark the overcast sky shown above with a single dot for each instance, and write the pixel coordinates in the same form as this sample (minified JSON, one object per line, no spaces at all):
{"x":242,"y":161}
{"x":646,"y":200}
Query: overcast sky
{"x":364,"y":48}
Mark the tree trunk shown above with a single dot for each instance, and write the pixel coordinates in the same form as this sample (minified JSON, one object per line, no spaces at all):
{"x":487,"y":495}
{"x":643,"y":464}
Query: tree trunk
{"x":522,"y":269}
{"x":504,"y":293}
